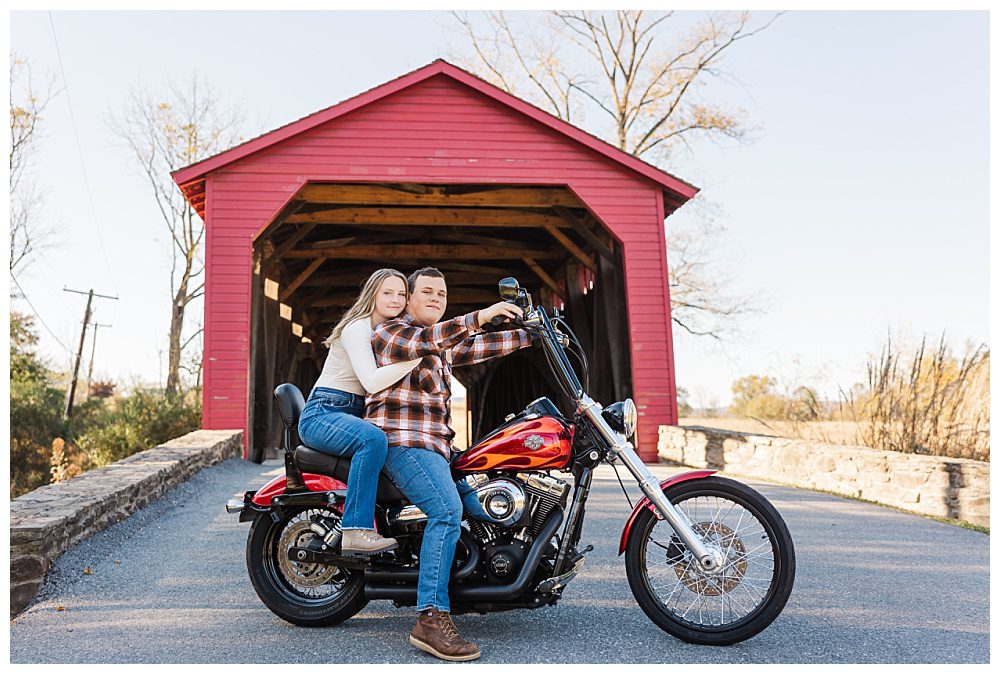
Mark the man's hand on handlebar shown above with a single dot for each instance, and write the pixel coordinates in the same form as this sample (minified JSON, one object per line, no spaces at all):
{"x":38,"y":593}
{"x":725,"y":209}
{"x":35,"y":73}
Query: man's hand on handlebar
{"x":499,"y":313}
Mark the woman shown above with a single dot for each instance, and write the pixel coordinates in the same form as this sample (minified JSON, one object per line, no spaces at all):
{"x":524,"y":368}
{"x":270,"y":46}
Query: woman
{"x":332,"y":422}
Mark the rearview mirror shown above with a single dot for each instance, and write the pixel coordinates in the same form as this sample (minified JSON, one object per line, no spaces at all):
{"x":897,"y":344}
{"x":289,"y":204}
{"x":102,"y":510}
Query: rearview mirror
{"x":509,"y":288}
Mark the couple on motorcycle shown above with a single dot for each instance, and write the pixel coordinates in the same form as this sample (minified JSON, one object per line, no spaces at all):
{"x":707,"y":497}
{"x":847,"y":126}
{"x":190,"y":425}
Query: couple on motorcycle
{"x":392,"y":345}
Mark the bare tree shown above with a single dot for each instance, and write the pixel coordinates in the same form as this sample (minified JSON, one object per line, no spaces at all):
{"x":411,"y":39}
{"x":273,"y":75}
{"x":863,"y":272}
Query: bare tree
{"x":191,"y":364}
{"x":644,"y":80}
{"x":702,"y":302}
{"x":164,"y":133}
{"x":27,"y":102}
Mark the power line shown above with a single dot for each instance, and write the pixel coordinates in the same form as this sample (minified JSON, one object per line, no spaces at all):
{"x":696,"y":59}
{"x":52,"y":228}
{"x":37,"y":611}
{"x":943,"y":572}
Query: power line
{"x":79,"y":150}
{"x":39,"y":316}
{"x":48,"y":282}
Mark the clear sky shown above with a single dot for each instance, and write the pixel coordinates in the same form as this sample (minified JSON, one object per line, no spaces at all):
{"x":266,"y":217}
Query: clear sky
{"x":861,"y":206}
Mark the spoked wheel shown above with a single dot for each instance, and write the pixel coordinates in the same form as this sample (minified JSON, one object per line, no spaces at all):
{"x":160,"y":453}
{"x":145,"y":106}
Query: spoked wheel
{"x":714,"y":608}
{"x":307,"y":594}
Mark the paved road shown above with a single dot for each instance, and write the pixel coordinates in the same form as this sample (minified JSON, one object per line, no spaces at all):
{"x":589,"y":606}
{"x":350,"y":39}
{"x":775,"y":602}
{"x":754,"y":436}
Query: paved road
{"x":169,"y":585}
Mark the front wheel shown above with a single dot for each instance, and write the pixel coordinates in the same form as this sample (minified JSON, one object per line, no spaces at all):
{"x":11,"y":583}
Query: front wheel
{"x":732,"y":604}
{"x":311,"y":595}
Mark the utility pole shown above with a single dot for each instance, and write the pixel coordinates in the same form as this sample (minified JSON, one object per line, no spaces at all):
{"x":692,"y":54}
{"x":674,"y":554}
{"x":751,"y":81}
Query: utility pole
{"x":93,"y":349}
{"x":79,"y":352}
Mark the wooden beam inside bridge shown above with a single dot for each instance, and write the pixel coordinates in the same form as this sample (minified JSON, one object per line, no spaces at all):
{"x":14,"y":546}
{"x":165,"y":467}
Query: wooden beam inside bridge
{"x":428,"y":252}
{"x":504,"y":197}
{"x":463,"y":217}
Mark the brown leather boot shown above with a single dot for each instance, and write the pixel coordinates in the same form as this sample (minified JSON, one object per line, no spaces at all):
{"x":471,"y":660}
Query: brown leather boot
{"x":435,"y":633}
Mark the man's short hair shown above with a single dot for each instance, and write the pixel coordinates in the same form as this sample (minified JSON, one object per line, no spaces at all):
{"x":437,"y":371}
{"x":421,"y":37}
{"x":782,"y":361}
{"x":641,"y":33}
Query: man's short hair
{"x":433,"y":272}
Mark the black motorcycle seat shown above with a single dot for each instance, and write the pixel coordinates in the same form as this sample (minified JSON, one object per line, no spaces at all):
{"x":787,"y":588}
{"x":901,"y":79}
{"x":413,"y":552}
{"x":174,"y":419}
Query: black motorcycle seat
{"x":313,"y":461}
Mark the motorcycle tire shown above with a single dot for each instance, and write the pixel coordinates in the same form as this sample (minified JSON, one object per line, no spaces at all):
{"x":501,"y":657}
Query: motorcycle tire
{"x":704,"y":501}
{"x":284,"y":587}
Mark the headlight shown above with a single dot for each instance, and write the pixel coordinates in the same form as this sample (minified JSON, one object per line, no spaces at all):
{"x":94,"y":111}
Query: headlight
{"x":631,"y":417}
{"x":622,"y":417}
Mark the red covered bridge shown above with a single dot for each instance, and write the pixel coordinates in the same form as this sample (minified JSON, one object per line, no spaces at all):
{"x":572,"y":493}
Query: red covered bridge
{"x":436,"y":168}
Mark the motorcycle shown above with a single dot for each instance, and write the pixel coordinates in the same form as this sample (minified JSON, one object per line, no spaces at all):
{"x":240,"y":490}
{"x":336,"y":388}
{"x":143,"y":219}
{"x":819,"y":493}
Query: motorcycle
{"x":709,"y":560}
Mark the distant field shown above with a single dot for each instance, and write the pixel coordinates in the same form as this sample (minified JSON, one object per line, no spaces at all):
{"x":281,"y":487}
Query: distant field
{"x":835,"y":432}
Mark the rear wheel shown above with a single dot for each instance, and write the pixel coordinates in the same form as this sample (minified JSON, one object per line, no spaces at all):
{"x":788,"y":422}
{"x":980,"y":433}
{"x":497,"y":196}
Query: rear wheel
{"x":730,"y":605}
{"x":307,"y":594}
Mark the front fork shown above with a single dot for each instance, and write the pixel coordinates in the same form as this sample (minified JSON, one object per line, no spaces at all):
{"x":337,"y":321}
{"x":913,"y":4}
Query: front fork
{"x":710,"y":558}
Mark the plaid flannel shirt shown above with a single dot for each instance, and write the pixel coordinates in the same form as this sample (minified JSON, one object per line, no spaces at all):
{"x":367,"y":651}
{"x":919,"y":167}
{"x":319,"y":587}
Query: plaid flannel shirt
{"x":416,"y":411}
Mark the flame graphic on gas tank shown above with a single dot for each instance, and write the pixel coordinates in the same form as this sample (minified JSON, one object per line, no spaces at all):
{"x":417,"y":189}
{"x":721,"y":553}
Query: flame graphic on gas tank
{"x":532,"y":444}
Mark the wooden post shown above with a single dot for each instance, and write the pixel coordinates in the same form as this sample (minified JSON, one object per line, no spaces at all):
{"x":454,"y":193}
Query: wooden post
{"x":68,"y":412}
{"x":79,"y":354}
{"x":93,"y":349}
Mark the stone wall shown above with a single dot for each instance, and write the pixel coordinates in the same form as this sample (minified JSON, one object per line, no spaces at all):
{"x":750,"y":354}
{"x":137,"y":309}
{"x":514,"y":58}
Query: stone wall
{"x":930,"y":485}
{"x":49,"y":520}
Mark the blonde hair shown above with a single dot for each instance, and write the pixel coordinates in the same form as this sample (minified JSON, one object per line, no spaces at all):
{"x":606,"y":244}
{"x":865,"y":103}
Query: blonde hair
{"x":365,"y":304}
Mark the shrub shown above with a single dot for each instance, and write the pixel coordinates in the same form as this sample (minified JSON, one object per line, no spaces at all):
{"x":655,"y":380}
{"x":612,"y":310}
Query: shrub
{"x":102,"y":389}
{"x":803,"y":405}
{"x":683,"y":405}
{"x":64,"y":464}
{"x":36,"y":408}
{"x":44,"y":447}
{"x":754,"y":396}
{"x":132,"y":424}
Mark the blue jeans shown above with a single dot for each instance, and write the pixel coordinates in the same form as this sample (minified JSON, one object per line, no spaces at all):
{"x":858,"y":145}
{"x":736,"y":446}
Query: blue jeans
{"x":424,"y":477}
{"x":331,"y":423}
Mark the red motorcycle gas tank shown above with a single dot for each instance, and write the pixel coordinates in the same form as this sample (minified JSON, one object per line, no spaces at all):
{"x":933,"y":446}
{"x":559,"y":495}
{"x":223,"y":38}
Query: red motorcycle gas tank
{"x":531,"y":444}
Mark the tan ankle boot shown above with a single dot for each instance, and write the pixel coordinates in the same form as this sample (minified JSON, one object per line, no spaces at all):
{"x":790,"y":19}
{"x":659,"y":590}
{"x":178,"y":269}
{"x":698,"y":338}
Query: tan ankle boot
{"x":435,"y":633}
{"x":365,"y":542}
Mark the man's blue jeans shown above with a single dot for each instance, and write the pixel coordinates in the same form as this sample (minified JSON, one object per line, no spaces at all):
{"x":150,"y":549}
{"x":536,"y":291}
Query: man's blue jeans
{"x":331,"y":423}
{"x":424,"y":477}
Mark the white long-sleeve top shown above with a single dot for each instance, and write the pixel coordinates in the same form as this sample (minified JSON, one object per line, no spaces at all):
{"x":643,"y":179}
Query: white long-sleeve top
{"x":350,"y":364}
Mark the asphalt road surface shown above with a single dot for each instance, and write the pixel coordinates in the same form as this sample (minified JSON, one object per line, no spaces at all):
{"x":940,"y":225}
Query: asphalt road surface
{"x":169,"y":584}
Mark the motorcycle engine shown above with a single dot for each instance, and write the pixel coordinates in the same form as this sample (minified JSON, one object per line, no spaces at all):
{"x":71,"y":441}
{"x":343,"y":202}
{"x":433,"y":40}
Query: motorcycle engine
{"x":504,"y":560}
{"x":499,"y":501}
{"x":515,"y":506}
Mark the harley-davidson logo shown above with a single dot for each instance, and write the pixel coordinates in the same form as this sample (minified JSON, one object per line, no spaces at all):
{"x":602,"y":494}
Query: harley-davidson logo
{"x":534,"y":442}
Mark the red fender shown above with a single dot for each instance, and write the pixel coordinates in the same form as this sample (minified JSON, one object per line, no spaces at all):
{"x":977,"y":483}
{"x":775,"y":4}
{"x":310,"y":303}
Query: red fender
{"x":313,"y":483}
{"x":646,"y":503}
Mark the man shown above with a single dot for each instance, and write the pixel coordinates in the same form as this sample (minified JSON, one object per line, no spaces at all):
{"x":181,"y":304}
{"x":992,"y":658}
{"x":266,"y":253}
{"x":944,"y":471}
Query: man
{"x":416,"y":415}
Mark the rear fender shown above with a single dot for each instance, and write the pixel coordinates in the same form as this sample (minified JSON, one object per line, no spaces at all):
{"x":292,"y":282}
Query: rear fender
{"x":646,"y":503}
{"x":276,"y":487}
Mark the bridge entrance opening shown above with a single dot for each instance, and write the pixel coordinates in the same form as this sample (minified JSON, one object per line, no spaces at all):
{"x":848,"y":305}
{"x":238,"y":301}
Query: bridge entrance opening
{"x":311,"y":260}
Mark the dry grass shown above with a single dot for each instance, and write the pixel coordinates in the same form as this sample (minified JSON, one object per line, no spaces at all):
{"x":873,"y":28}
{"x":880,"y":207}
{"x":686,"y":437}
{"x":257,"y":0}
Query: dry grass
{"x":926,"y":403}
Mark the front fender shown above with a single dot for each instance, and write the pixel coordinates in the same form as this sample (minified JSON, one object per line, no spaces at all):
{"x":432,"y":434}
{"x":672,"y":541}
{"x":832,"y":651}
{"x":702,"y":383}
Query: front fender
{"x":313,"y":482}
{"x":646,"y":503}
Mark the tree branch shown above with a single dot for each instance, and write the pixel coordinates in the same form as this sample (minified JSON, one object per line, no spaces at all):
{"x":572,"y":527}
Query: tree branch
{"x":650,"y":93}
{"x":197,"y":332}
{"x":163,"y":134}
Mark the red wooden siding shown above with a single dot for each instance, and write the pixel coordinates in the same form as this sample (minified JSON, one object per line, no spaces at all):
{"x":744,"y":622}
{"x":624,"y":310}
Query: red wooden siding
{"x":437,"y":130}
